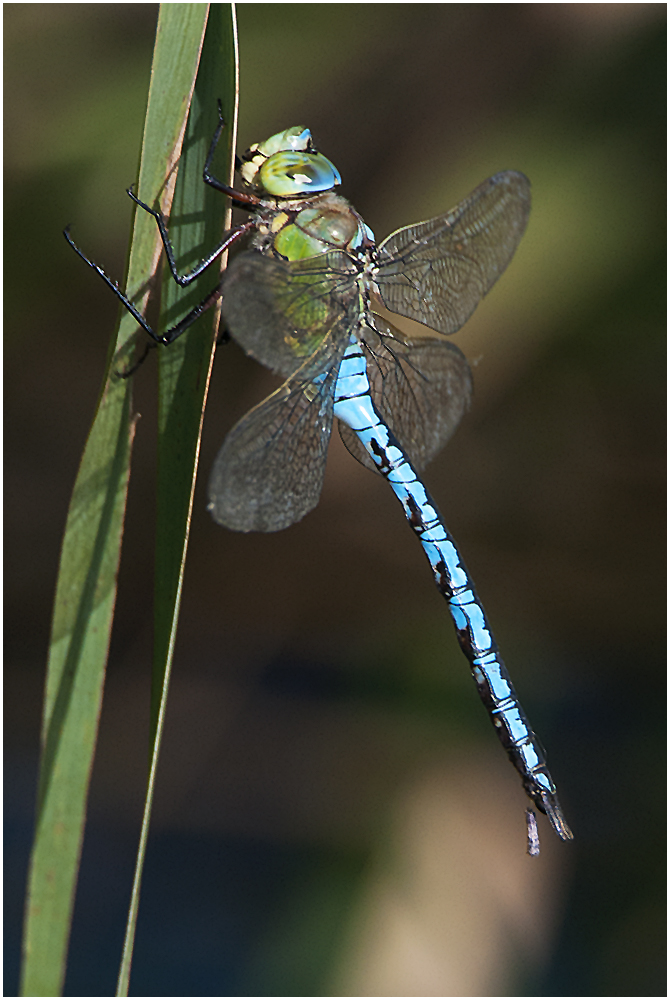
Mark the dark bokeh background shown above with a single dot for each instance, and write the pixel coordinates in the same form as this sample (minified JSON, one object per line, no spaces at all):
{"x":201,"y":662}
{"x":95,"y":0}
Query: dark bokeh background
{"x":335,"y":815}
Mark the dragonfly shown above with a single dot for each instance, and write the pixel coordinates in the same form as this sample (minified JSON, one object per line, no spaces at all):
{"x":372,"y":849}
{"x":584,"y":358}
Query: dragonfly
{"x":304,"y":301}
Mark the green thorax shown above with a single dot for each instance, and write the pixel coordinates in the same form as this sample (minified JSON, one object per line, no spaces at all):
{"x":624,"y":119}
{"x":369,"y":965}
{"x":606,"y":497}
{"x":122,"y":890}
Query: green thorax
{"x":299,"y":229}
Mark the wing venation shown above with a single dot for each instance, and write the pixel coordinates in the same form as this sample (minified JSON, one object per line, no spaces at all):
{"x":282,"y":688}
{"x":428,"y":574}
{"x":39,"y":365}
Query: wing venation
{"x":436,"y":272}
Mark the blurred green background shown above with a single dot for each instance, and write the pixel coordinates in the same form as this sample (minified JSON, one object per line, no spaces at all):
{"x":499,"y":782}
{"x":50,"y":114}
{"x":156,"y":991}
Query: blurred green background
{"x":334,"y":814}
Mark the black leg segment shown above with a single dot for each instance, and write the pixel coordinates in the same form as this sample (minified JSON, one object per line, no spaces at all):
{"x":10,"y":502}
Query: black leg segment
{"x":168,"y":336}
{"x":114,"y":287}
{"x":245,"y":199}
{"x":183,"y":280}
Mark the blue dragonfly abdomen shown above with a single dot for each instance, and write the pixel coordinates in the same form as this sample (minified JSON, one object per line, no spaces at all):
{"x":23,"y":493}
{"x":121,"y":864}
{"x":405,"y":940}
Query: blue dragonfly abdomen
{"x":354,"y":406}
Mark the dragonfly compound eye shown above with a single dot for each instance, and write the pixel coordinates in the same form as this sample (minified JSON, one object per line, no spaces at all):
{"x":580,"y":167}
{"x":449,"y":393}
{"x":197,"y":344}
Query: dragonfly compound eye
{"x":293,"y":172}
{"x":296,"y":137}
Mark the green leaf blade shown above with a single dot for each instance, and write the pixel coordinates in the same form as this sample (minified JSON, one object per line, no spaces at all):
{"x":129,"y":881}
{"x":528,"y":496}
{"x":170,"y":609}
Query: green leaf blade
{"x":200,"y":214}
{"x":198,"y":218}
{"x":86,"y":587}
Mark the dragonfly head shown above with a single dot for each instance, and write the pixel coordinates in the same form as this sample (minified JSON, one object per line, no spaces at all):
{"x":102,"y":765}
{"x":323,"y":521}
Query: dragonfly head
{"x":287,"y":165}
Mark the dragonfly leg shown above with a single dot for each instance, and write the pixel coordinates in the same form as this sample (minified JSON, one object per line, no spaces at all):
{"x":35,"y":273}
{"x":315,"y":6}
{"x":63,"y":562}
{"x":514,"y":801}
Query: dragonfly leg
{"x":114,"y":287}
{"x":183,"y":280}
{"x":168,"y":336}
{"x":242,"y":197}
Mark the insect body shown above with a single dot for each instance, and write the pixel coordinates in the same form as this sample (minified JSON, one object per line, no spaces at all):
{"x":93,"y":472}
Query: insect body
{"x":302,"y":302}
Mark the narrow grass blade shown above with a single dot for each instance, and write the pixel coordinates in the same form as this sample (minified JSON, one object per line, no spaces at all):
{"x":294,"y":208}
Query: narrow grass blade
{"x":86,"y":586}
{"x":199,"y":215}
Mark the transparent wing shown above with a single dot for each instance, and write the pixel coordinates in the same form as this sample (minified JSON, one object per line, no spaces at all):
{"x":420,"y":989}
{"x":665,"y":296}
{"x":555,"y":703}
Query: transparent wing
{"x":280,"y":311}
{"x":269,"y":471}
{"x":436,"y":272}
{"x":421,"y":388}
